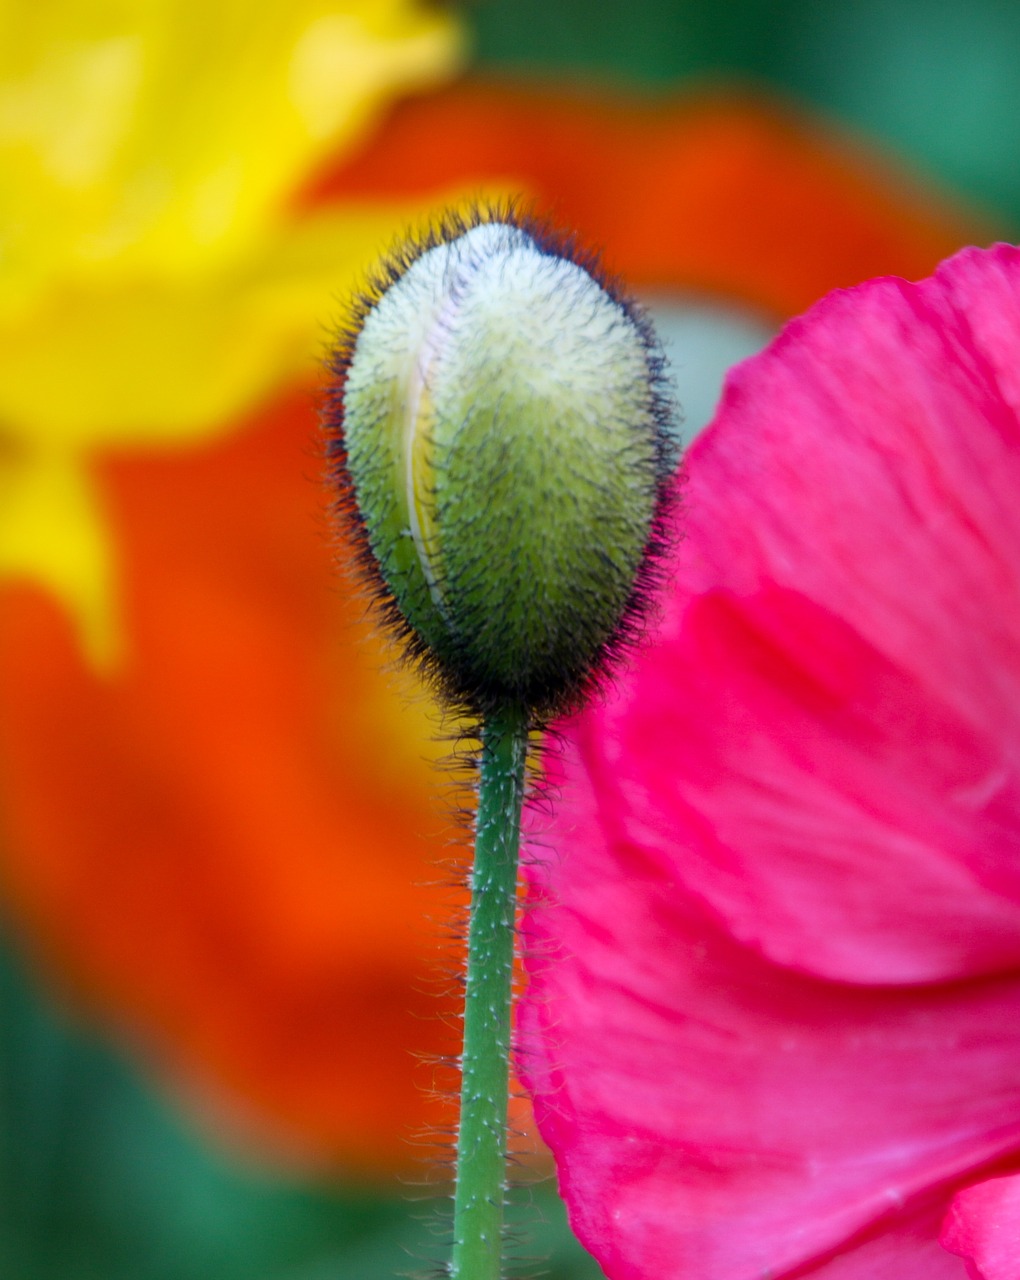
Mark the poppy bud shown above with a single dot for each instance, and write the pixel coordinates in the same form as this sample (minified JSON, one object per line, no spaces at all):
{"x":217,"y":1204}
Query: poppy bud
{"x":502,"y":437}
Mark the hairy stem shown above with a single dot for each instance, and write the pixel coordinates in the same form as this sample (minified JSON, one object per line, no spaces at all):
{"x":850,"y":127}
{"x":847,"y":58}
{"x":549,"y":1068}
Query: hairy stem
{"x":481,"y":1142}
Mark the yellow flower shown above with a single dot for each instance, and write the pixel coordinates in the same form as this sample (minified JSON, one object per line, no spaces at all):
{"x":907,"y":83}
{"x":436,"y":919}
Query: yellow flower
{"x":155,"y":281}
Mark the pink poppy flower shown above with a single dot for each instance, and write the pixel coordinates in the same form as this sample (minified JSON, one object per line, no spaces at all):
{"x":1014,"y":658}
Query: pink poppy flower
{"x":779,"y":1031}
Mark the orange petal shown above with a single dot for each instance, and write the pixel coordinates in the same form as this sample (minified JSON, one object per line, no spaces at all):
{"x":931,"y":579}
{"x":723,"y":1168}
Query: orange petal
{"x":225,"y":842}
{"x":724,"y":194}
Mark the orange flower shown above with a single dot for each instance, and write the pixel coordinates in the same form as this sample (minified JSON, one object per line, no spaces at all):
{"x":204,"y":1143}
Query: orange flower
{"x":223,"y":841}
{"x":722,"y":194}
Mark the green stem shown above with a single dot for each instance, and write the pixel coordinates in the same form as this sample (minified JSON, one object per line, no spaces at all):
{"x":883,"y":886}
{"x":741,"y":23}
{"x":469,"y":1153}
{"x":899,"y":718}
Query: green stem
{"x":481,"y":1142}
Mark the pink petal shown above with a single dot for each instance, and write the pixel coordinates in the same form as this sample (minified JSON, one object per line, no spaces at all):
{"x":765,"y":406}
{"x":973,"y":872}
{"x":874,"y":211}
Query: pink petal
{"x":829,"y":727}
{"x":983,"y":1226}
{"x":774,"y":1013}
{"x":902,"y":1248}
{"x":713,"y":1114}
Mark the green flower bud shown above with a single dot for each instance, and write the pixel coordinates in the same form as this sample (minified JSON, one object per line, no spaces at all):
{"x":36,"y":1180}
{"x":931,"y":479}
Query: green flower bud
{"x":501,"y":431}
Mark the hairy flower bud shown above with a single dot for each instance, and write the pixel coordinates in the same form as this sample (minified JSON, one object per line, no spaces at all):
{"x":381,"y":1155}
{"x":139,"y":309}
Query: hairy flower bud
{"x":501,"y":431}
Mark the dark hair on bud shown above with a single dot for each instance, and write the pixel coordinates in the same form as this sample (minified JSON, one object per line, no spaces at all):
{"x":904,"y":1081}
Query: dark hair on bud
{"x":467,"y":568}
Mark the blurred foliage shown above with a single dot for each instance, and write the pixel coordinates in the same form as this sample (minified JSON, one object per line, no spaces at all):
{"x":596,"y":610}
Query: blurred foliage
{"x":99,"y":1180}
{"x":934,"y":79}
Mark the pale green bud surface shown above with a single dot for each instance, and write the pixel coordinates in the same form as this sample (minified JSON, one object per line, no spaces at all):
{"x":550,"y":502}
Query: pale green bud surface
{"x":504,"y":428}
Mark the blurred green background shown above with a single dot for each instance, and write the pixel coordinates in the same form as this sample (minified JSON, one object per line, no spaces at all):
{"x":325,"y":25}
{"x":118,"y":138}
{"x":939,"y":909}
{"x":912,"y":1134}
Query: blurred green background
{"x":934,"y":81}
{"x":101,"y":1176}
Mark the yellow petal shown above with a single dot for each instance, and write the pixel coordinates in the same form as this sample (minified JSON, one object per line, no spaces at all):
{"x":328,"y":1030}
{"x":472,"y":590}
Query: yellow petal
{"x":52,"y":533}
{"x":158,"y":137}
{"x":152,"y":287}
{"x":127,"y":363}
{"x":134,"y":368}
